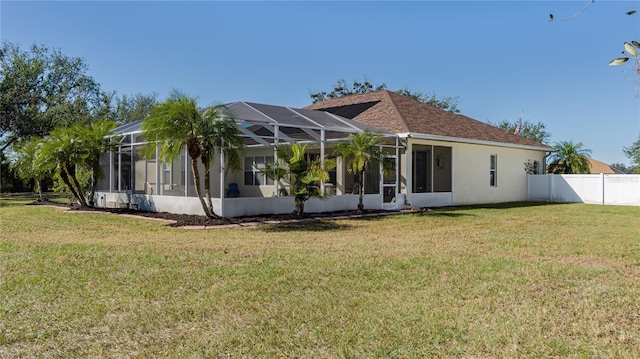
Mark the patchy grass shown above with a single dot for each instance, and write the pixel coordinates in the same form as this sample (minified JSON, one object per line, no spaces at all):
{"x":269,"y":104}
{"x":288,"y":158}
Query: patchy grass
{"x":540,"y":280}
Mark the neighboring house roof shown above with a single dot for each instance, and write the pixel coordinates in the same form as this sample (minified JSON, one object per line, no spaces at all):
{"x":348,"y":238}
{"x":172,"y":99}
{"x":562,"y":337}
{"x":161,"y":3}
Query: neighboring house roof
{"x":395,"y":113}
{"x":601,"y":167}
{"x":597,"y":167}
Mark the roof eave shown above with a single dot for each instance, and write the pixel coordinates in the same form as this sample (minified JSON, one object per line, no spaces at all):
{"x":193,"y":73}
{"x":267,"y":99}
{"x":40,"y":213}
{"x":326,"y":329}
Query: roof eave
{"x":423,"y":136}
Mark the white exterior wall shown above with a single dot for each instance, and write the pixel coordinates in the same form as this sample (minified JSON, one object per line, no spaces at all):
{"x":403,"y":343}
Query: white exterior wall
{"x":437,"y":199}
{"x":470,"y":174}
{"x":154,"y":203}
{"x":341,"y":203}
{"x":235,"y":207}
{"x":238,"y":207}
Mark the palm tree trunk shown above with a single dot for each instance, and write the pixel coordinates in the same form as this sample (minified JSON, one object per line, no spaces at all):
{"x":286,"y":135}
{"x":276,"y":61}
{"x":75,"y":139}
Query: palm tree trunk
{"x":65,"y":178}
{"x":94,"y":185}
{"x":361,"y":194}
{"x":299,"y":206}
{"x":196,"y":180}
{"x":295,"y":190}
{"x":39,"y":188}
{"x":207,"y":189}
{"x":71,"y":171}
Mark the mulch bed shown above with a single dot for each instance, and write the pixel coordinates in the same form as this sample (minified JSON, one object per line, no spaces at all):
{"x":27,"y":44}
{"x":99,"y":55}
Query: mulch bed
{"x":182,"y":220}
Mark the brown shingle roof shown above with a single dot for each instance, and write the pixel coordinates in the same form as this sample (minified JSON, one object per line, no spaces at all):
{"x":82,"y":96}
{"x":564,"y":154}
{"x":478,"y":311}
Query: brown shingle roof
{"x":395,"y":113}
{"x":601,"y":167}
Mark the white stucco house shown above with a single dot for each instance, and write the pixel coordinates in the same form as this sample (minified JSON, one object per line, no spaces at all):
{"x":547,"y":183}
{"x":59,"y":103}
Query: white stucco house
{"x":439,"y":158}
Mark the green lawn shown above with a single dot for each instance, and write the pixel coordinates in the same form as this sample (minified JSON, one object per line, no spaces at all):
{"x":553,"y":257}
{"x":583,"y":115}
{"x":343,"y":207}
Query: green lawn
{"x":516,"y":280}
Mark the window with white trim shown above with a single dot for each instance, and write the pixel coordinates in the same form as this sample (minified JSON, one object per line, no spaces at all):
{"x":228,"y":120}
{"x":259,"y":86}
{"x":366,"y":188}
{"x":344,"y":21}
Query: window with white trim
{"x":493,"y":171}
{"x":252,"y":171}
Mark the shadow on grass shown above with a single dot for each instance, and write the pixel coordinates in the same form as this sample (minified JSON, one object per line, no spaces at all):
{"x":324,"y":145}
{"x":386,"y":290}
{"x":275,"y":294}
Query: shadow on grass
{"x":312,"y":225}
{"x":506,"y":205}
{"x":452,"y":211}
{"x":442,"y":213}
{"x":455,"y":211}
{"x":16,"y":200}
{"x":21,"y":199}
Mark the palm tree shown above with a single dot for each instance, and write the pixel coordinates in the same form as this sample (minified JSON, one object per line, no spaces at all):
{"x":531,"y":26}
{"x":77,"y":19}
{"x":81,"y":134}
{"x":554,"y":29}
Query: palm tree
{"x":94,"y":142}
{"x":304,"y":175}
{"x":359,"y":151}
{"x":178,"y":123}
{"x":570,"y":158}
{"x":62,"y":152}
{"x":25,"y":165}
{"x":66,"y":151}
{"x":220,"y":131}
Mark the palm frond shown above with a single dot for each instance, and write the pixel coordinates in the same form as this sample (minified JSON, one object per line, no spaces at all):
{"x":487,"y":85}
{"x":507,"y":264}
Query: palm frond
{"x":570,"y":158}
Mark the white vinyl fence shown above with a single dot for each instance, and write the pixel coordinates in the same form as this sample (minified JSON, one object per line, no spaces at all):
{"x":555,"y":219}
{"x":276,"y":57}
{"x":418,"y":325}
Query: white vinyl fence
{"x":596,"y":189}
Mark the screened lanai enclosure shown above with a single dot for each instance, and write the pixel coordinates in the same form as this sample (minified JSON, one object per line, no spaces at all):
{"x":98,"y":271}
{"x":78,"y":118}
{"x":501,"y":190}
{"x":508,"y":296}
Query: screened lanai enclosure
{"x":131,"y":179}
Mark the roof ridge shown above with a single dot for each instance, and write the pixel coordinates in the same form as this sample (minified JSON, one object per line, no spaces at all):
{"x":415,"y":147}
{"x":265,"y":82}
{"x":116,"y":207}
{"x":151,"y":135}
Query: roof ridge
{"x":395,"y":108}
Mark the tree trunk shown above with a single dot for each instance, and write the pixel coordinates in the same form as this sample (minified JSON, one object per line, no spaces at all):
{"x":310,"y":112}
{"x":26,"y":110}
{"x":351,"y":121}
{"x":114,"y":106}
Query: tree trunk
{"x":207,"y":189}
{"x":299,"y":207}
{"x":94,"y":185}
{"x":71,"y":171}
{"x":196,"y":180}
{"x":361,"y":194}
{"x":39,"y":188}
{"x":65,"y":178}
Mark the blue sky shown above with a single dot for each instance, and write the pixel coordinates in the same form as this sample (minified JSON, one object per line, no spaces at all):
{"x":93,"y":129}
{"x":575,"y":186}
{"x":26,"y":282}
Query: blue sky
{"x":498,"y":57}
